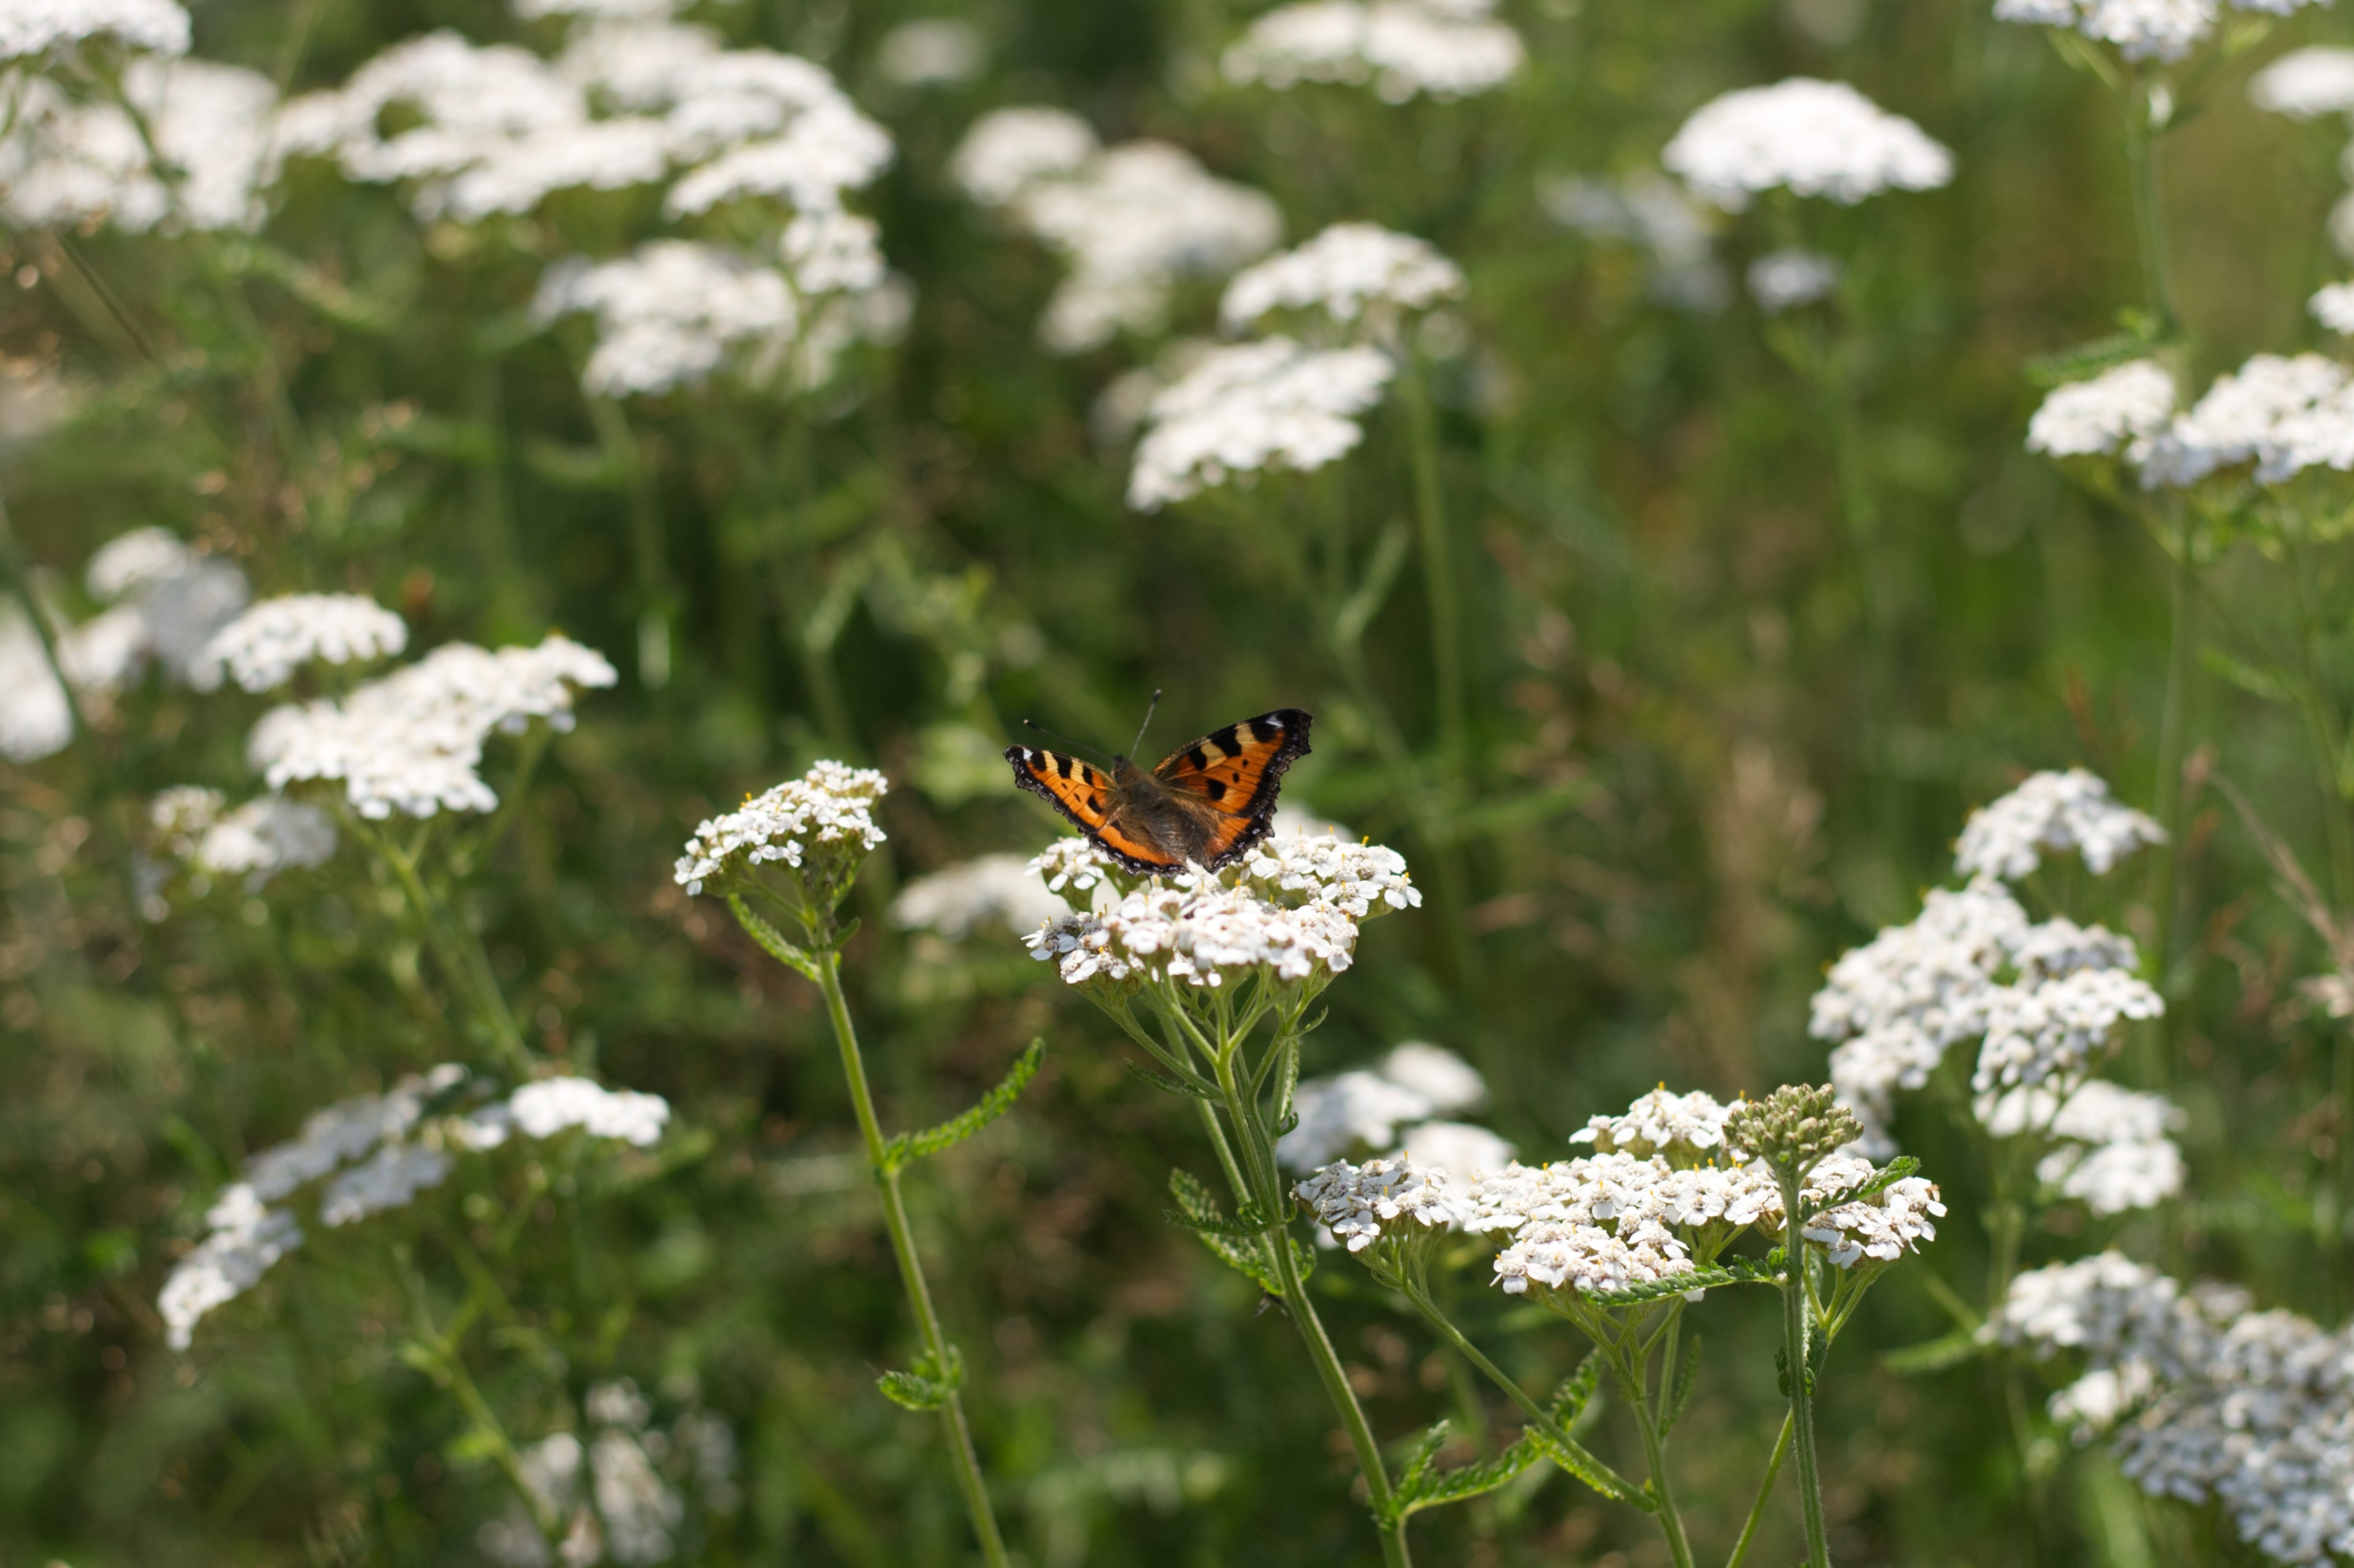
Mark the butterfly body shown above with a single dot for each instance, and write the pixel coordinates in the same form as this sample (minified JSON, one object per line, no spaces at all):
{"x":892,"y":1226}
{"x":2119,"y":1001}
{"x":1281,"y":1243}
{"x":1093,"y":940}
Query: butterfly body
{"x":1206,"y":803}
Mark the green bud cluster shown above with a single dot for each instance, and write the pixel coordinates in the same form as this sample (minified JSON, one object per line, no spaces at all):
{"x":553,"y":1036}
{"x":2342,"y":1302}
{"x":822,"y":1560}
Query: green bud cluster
{"x":1792,"y":1129}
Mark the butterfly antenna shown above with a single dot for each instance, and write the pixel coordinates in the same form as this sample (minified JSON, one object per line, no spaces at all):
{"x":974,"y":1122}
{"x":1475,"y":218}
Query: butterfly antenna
{"x":1064,"y":739}
{"x":1149,"y":708}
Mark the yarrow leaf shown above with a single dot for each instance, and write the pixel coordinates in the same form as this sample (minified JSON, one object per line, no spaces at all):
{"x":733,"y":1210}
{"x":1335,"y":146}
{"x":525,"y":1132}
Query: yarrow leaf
{"x":773,"y":940}
{"x":927,"y":1387}
{"x":1422,"y":1485}
{"x":1704,"y":1277}
{"x":1686,"y":1380}
{"x":1243,"y":1251}
{"x":909,"y":1146}
{"x":1168,"y":1085}
{"x":1574,"y":1459}
{"x":2087,"y":359}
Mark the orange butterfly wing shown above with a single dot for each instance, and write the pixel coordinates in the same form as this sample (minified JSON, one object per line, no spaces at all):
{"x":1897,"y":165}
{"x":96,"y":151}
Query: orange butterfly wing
{"x":1083,"y":794}
{"x":1235,"y":772}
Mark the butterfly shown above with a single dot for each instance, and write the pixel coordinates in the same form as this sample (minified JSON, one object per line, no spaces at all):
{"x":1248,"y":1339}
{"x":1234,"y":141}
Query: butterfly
{"x":1206,"y":803}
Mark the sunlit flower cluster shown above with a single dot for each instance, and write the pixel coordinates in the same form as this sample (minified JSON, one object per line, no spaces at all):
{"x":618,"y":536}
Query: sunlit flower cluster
{"x":31,"y":28}
{"x":2284,"y":415}
{"x":377,"y":1152}
{"x":262,"y":648}
{"x":1250,"y":407}
{"x":2111,"y":1149}
{"x":1129,"y":221}
{"x":2200,"y":1397}
{"x":412,"y":741}
{"x":166,"y":601}
{"x":1351,"y":273}
{"x":632,"y":1505}
{"x":1404,"y":48}
{"x":255,"y":840}
{"x":2308,"y":83}
{"x":2053,"y":813}
{"x":1811,"y":138}
{"x":1361,"y":1204}
{"x":818,"y":824}
{"x":2105,"y":414}
{"x":1200,"y":938}
{"x":1360,"y":878}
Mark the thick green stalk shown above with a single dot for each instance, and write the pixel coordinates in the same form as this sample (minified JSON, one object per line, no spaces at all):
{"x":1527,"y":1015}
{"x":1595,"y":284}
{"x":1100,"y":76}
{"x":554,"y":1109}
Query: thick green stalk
{"x":1796,"y":1310}
{"x":1266,"y":1189}
{"x":1765,"y":1492}
{"x":961,"y":1453}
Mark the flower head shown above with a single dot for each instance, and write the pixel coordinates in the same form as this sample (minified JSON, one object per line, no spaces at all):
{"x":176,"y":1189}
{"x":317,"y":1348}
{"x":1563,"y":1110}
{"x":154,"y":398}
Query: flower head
{"x":2053,"y":812}
{"x":1381,"y":1199}
{"x":1881,"y":1228}
{"x":999,"y":889}
{"x":2104,"y":415}
{"x":1273,"y":404}
{"x":1363,"y":879}
{"x":1072,"y":865}
{"x":2308,"y":83}
{"x":1811,"y":138}
{"x":2284,"y":415}
{"x":1405,"y":48}
{"x":2138,"y":29}
{"x":81,"y":161}
{"x":263,"y":647}
{"x":1785,"y":280}
{"x":1415,"y":1082}
{"x":1792,"y":1130}
{"x":820,"y":825}
{"x":1351,"y":272}
{"x":1010,"y":150}
{"x":31,"y":28}
{"x":1684,"y":1129}
{"x":36,"y":717}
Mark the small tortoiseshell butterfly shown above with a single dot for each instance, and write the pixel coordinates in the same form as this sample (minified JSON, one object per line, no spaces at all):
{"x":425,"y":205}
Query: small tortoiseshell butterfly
{"x":1207,"y":803}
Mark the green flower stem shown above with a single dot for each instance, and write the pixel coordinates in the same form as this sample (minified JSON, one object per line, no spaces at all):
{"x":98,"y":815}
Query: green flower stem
{"x":827,"y":963}
{"x":1265,"y":1188}
{"x":456,"y":946}
{"x":2149,"y":222}
{"x":658,"y":595}
{"x":1537,"y":1414}
{"x":1628,"y":1375}
{"x":443,"y":1349}
{"x":1765,"y":1492}
{"x":1796,"y":1320}
{"x":2181,"y":669}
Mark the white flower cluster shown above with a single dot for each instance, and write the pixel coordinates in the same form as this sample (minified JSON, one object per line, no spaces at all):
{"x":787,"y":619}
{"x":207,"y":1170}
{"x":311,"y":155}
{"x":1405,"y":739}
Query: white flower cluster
{"x":31,"y":28}
{"x":166,"y":601}
{"x":1201,"y":938}
{"x":1273,"y":404}
{"x":1352,"y":272}
{"x":256,"y":841}
{"x":35,"y":720}
{"x":2202,"y":1398}
{"x":1071,"y":869}
{"x":1415,"y":1083}
{"x":67,"y":161}
{"x":263,"y":647}
{"x":827,"y":811}
{"x":2283,"y":415}
{"x":2104,"y":415}
{"x":380,"y":1152}
{"x":1811,"y":138}
{"x":1657,"y":214}
{"x":1129,"y":221}
{"x":1357,"y":878}
{"x":991,"y":889}
{"x":1360,"y":1203}
{"x":1895,"y":1005}
{"x":2053,"y":812}
{"x":411,"y":741}
{"x":2333,"y":306}
{"x":635,"y":1502}
{"x":1783,"y":280}
{"x":931,"y":51}
{"x":2308,"y":83}
{"x":1655,"y":1198}
{"x":2111,"y":1150}
{"x":485,"y":128}
{"x":1442,"y":49}
{"x":2139,"y":29}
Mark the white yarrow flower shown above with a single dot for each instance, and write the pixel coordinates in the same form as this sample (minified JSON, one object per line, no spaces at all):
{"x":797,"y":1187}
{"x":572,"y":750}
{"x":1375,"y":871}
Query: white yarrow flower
{"x":1404,"y":48}
{"x":2333,"y":305}
{"x":931,"y":51}
{"x":30,"y":28}
{"x":2053,"y":812}
{"x":73,"y":161}
{"x":1273,"y":404}
{"x":2165,"y":30}
{"x":999,"y":889}
{"x":1394,"y":1199}
{"x":264,"y":837}
{"x":1011,"y":150}
{"x":2104,"y":415}
{"x":2308,"y":83}
{"x":1351,"y":271}
{"x":263,"y":647}
{"x":36,"y":715}
{"x":1811,"y":138}
{"x":1787,"y":280}
{"x":828,"y":811}
{"x":2284,"y":415}
{"x":245,"y":1240}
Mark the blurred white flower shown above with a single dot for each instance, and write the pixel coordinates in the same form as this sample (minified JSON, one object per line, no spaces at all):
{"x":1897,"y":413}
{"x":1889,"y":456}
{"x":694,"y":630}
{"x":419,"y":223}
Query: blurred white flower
{"x":2308,"y":83}
{"x":66,"y":162}
{"x":2140,"y":29}
{"x":548,"y":1106}
{"x":1785,"y":279}
{"x":1003,"y":889}
{"x":2053,"y":812}
{"x":264,"y":837}
{"x":1463,"y":1151}
{"x":1416,"y":1082}
{"x":1273,"y":404}
{"x":1010,"y":150}
{"x":829,"y":810}
{"x":179,"y":816}
{"x":263,"y":647}
{"x":2103,"y":415}
{"x":639,"y":1510}
{"x":1351,"y":272}
{"x":673,"y":314}
{"x":1069,"y":866}
{"x":2333,"y":305}
{"x":2053,"y":1030}
{"x":245,"y":1239}
{"x":36,"y":719}
{"x":29,"y":29}
{"x":411,"y":741}
{"x":396,"y":1172}
{"x":1812,"y":138}
{"x":1655,"y":213}
{"x":173,"y":601}
{"x":931,"y":51}
{"x":2285,"y":415}
{"x":1405,"y":48}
